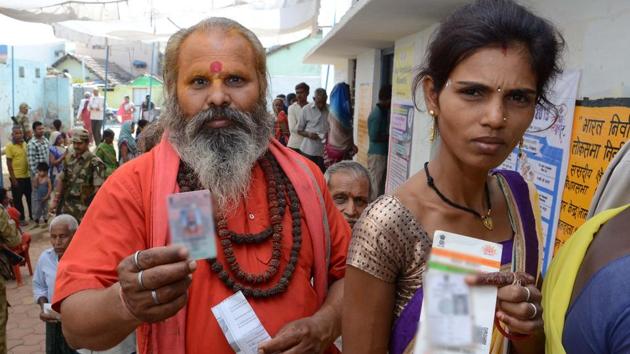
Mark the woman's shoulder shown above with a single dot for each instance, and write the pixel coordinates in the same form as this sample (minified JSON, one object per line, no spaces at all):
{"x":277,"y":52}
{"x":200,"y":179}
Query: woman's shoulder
{"x":386,"y":239}
{"x":387,"y":215}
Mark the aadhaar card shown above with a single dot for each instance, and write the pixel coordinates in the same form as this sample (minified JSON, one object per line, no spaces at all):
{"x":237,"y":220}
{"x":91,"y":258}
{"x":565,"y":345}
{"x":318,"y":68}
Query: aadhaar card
{"x":191,"y":223}
{"x":455,"y":317}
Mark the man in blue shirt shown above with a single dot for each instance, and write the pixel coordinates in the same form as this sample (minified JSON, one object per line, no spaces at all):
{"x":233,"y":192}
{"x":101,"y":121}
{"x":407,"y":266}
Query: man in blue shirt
{"x":62,"y":229}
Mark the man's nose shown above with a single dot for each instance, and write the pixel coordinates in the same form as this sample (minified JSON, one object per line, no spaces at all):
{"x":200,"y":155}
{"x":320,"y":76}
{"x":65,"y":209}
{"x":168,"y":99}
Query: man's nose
{"x":217,"y":94}
{"x":351,"y":208}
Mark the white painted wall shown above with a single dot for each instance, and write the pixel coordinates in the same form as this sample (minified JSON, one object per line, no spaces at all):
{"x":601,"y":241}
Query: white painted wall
{"x":597,"y":35}
{"x":421,"y":146}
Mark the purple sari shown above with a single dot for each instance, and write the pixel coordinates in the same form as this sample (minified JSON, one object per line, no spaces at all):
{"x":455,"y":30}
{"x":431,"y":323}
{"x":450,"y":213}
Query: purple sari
{"x":405,"y":326}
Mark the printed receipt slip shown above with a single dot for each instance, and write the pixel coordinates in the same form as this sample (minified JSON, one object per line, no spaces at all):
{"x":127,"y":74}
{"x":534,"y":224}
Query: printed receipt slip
{"x":191,"y":224}
{"x":240,"y":325}
{"x":455,"y":317}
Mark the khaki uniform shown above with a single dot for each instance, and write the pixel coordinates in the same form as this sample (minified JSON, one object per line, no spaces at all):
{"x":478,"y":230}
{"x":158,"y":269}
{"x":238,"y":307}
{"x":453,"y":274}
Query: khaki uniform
{"x":10,"y":237}
{"x":81,"y":177}
{"x":24,"y":122}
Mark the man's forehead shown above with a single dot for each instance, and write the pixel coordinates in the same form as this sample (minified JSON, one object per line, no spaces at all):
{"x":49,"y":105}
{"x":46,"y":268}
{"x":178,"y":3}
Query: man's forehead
{"x":217,"y":42}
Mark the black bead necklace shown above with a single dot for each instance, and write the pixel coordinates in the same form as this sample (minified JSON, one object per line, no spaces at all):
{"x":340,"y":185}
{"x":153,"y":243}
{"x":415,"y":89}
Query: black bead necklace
{"x":486,"y":220}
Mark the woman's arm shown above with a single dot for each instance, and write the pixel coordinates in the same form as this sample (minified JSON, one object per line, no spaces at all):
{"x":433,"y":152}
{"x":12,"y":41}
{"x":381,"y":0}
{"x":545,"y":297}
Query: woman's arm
{"x":367,"y":313}
{"x":124,"y":152}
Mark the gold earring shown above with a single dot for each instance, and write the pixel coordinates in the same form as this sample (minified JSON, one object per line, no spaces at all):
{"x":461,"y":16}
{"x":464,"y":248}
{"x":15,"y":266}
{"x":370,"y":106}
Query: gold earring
{"x":434,"y":128}
{"x":505,"y":119}
{"x":432,"y":113}
{"x":520,"y":148}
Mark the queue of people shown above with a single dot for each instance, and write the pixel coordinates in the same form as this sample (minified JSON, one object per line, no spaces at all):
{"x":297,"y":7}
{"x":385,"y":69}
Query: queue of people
{"x":307,"y":236}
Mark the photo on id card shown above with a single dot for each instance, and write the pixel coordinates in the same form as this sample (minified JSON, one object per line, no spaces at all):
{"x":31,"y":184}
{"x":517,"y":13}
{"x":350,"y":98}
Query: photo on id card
{"x":191,"y":223}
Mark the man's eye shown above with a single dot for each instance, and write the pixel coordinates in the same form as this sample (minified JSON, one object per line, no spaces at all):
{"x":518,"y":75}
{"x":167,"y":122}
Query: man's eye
{"x":340,"y":199}
{"x":235,"y":80}
{"x":360,"y":202}
{"x":199,"y":82}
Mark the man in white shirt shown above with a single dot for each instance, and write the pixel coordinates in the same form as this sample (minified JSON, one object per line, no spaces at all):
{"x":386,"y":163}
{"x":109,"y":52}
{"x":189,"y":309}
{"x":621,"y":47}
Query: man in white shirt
{"x":97,"y":109}
{"x":313,"y":126}
{"x":294,"y":113}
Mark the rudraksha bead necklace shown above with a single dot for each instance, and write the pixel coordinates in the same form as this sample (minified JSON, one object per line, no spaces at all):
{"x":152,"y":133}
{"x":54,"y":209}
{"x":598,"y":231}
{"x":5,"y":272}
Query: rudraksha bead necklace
{"x":279,"y":191}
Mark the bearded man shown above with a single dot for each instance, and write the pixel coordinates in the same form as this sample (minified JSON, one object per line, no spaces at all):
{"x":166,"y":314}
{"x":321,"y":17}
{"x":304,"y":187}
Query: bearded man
{"x":282,"y":241}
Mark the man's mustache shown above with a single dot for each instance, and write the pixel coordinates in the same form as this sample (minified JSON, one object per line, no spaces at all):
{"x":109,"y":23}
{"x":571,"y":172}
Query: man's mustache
{"x":239,"y":119}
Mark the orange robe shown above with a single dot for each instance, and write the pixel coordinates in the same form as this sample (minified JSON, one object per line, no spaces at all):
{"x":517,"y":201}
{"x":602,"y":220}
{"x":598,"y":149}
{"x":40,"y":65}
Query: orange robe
{"x":115,"y":227}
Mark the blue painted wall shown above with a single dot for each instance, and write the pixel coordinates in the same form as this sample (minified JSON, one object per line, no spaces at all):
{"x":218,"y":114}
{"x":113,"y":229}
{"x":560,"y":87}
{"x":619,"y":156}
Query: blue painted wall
{"x":58,"y":101}
{"x":29,"y":89}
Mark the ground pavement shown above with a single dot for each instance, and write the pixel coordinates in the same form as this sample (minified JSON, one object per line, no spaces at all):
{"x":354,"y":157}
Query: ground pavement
{"x":25,"y":331}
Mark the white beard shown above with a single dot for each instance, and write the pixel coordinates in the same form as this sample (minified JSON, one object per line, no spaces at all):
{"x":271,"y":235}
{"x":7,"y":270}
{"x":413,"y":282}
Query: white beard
{"x":222,"y":158}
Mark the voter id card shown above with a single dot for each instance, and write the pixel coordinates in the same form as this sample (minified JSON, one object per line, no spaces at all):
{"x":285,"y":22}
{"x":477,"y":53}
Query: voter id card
{"x":455,"y":317}
{"x":191,"y":223}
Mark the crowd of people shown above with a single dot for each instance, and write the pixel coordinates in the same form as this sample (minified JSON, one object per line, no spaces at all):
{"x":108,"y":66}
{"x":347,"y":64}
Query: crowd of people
{"x":48,"y":176}
{"x":304,"y":233}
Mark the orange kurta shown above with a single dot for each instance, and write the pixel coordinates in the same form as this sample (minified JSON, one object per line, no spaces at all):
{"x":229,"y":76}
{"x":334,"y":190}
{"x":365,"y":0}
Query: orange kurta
{"x":115,"y":227}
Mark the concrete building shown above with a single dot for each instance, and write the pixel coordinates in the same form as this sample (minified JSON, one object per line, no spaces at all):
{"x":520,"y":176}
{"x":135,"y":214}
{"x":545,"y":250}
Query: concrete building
{"x":286,"y":72}
{"x":378,"y":42}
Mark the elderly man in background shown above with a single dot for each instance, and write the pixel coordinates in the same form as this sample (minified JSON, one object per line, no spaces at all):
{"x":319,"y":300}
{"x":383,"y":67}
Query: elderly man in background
{"x":62,"y":229}
{"x":268,"y":200}
{"x":350,"y":186}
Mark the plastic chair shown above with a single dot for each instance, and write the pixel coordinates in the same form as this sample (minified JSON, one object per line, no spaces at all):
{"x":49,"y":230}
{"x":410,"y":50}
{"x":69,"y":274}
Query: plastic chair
{"x":22,"y":249}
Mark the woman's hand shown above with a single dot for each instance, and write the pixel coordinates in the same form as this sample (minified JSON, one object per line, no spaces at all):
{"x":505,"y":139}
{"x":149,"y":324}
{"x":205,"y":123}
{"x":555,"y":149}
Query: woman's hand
{"x":519,"y":300}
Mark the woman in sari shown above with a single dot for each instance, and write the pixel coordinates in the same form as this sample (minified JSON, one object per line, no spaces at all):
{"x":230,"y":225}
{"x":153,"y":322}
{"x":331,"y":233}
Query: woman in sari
{"x":586,"y":287}
{"x":488,"y":66}
{"x":282,"y":122}
{"x":56,"y":155}
{"x":127,"y":147}
{"x":105,"y":151}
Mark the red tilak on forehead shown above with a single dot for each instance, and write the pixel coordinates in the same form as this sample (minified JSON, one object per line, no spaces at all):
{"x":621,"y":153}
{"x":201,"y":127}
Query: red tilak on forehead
{"x":216,"y":67}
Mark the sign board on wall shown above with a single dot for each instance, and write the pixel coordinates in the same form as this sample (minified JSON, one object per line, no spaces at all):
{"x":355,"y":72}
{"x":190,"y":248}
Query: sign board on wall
{"x":364,"y":108}
{"x":601,"y":128}
{"x":400,"y":143}
{"x":545,"y":155}
{"x":401,"y":117}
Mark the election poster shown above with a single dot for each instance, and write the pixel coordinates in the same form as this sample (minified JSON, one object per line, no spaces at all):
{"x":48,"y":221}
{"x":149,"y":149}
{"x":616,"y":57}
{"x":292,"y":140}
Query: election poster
{"x":600,"y":129}
{"x":544,"y":155}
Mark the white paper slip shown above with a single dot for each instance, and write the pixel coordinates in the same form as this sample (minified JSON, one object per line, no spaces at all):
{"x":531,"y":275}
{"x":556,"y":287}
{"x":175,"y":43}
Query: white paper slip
{"x":455,"y":317}
{"x":240,"y":325}
{"x":49,"y":310}
{"x":191,"y":223}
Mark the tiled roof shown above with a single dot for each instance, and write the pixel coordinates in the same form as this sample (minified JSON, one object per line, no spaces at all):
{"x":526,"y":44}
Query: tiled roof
{"x":115,"y":75}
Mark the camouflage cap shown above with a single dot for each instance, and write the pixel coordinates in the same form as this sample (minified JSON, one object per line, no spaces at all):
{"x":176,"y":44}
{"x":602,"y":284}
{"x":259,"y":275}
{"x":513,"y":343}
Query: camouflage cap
{"x":80,"y":135}
{"x":24,"y":105}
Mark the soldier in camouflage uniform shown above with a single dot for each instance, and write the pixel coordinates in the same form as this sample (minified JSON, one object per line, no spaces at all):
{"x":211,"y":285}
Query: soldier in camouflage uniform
{"x":23,"y":121}
{"x":10,"y":237}
{"x":83,"y":174}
